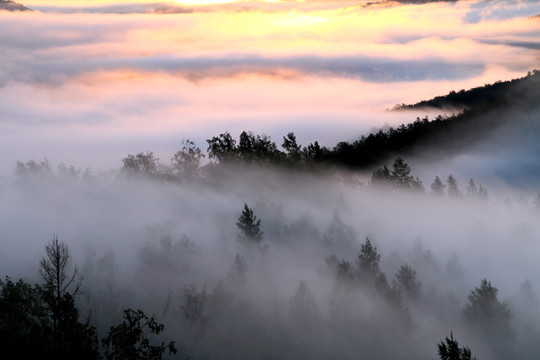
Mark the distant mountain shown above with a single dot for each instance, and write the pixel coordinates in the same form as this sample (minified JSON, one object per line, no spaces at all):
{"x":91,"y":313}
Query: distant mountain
{"x":504,"y":116}
{"x":12,"y":6}
{"x":487,"y":95}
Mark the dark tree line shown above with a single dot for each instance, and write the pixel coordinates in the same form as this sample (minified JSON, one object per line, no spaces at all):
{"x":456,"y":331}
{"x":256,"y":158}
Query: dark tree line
{"x":42,"y":321}
{"x":487,"y":95}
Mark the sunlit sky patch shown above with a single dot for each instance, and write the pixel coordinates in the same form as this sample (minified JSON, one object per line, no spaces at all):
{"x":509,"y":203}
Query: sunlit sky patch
{"x":141,"y":75}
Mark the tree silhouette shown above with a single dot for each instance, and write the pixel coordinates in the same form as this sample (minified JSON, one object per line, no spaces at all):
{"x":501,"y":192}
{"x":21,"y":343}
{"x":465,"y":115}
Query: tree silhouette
{"x":71,"y":339}
{"x":55,"y":270}
{"x":293,"y":150}
{"x":24,"y":329}
{"x":451,"y":350}
{"x":129,"y":339}
{"x":368,"y":262}
{"x":453,"y":190}
{"x":485,"y":313}
{"x":250,"y":228}
{"x":401,"y":174}
{"x":437,"y":187}
{"x":222,"y":148}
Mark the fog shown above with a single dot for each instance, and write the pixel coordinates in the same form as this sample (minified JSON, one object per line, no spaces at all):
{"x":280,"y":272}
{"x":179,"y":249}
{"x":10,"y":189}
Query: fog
{"x":83,"y":86}
{"x":140,"y":242}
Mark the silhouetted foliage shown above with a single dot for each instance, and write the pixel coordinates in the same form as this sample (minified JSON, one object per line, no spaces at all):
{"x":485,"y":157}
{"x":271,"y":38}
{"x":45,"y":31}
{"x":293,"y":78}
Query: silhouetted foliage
{"x":24,"y":325}
{"x":43,"y":322}
{"x":487,"y":95}
{"x":292,"y":149}
{"x":129,"y":340}
{"x":450,"y":350}
{"x":61,"y":283}
{"x":250,"y":228}
{"x":399,"y":177}
{"x":222,"y":148}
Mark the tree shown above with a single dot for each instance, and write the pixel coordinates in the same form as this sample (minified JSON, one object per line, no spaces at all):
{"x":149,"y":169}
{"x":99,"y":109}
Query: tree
{"x":250,"y":228}
{"x":437,"y":187}
{"x":186,"y":162}
{"x":453,"y":190}
{"x":23,"y":320}
{"x":195,"y":308}
{"x":381,"y":176}
{"x":451,"y":350}
{"x":55,"y":270}
{"x":313,"y":153}
{"x":485,"y":313}
{"x":258,"y":148}
{"x":406,"y":282}
{"x":417,"y":185}
{"x":294,"y":151}
{"x":472,"y":190}
{"x":70,"y":338}
{"x":222,"y":148}
{"x":129,"y":339}
{"x":33,"y":168}
{"x":140,"y":164}
{"x":29,"y":329}
{"x":401,"y":174}
{"x":368,"y":261}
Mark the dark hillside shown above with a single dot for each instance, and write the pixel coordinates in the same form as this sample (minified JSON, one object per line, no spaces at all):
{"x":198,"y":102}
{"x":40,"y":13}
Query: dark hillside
{"x":498,"y":93}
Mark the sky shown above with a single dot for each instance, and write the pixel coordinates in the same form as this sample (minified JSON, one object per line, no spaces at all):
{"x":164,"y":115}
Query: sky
{"x":88,"y":82}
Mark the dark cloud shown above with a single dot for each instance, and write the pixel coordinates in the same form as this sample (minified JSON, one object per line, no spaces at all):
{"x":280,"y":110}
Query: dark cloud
{"x":351,"y":67}
{"x":12,"y":6}
{"x":533,"y":45}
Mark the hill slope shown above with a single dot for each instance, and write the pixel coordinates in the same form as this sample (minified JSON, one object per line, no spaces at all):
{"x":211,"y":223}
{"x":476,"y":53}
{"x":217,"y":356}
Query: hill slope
{"x":504,"y":112}
{"x":487,"y":95}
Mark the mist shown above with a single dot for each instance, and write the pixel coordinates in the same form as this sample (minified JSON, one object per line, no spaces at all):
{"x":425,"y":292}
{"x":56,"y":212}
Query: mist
{"x":98,"y":104}
{"x":146,"y":242}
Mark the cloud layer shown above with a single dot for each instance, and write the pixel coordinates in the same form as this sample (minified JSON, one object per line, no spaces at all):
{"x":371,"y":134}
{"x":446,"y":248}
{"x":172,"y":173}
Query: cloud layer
{"x":130,"y":77}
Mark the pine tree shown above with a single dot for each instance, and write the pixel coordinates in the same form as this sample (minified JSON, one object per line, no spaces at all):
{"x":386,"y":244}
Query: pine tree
{"x":451,"y":350}
{"x":437,"y":187}
{"x":250,"y":228}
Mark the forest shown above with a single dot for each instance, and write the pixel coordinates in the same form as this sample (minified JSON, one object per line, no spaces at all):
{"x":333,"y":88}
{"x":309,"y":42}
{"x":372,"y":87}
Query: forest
{"x":219,"y":179}
{"x":250,"y":250}
{"x":313,"y":261}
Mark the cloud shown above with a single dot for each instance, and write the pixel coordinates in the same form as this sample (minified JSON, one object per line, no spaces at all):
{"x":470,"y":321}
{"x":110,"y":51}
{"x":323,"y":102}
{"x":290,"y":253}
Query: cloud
{"x":149,"y":76}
